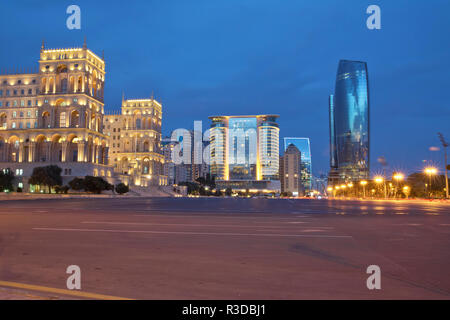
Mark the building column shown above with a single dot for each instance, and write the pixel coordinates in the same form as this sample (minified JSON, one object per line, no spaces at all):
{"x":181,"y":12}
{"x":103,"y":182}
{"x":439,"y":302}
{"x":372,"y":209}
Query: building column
{"x":31,"y":149}
{"x":48,"y":147}
{"x":64,"y":145}
{"x":81,"y":147}
{"x":94,"y":153}
{"x":21,"y":150}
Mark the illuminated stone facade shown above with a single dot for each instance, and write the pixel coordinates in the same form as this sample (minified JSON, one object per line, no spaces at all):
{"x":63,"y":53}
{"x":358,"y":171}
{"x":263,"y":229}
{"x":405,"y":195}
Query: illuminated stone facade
{"x":55,"y":116}
{"x":135,"y":142}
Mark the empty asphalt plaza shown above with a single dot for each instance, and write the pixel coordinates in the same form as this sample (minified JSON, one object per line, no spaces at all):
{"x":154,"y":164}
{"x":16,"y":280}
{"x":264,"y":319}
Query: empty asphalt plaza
{"x":216,"y":248}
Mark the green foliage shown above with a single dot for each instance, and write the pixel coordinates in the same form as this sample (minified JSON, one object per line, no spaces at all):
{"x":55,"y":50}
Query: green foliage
{"x":61,"y":189}
{"x":96,"y":184}
{"x":6,"y":180}
{"x":122,"y":188}
{"x":192,"y":187}
{"x":421,"y":188}
{"x":77,"y":184}
{"x":209,"y":181}
{"x":19,"y":189}
{"x":48,"y":176}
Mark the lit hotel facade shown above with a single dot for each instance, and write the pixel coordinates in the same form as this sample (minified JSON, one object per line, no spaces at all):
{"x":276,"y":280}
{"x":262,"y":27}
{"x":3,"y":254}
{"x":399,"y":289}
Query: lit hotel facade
{"x":244,"y":152}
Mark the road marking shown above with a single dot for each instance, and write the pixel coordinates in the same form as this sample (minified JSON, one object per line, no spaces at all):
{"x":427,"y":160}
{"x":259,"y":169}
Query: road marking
{"x":80,"y":294}
{"x":203,"y":225}
{"x":196,"y":233}
{"x":237,"y":216}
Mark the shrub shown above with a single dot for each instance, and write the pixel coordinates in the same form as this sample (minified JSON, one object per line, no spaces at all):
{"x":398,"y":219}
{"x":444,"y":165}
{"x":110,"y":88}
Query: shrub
{"x":77,"y":184}
{"x":122,"y":188}
{"x":19,"y":189}
{"x":49,"y":176}
{"x":96,"y":184}
{"x":6,"y":180}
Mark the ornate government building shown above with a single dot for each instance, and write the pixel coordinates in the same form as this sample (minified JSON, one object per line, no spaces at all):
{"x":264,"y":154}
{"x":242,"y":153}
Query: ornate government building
{"x":135,"y":142}
{"x":56,"y":116}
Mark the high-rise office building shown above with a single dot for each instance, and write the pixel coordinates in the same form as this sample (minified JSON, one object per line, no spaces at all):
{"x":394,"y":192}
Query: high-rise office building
{"x":349,"y":123}
{"x":245,"y":151}
{"x":304,"y":146}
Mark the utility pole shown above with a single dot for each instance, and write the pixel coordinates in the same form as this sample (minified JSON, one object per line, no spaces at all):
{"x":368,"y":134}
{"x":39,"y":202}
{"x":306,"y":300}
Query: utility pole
{"x":445,"y":145}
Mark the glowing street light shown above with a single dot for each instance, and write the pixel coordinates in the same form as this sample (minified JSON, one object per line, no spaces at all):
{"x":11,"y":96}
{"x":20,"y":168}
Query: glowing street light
{"x":397,"y":176}
{"x":380,"y":179}
{"x":406,"y":191}
{"x":364,"y":183}
{"x":430,"y":171}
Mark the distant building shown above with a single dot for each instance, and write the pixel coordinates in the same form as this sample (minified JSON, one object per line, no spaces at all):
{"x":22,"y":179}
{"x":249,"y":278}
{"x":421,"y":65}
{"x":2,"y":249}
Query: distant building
{"x":187,"y":170}
{"x":290,"y":171}
{"x":349,"y":123}
{"x":169,"y":166}
{"x":304,"y":146}
{"x":135,"y":142}
{"x":245,"y":152}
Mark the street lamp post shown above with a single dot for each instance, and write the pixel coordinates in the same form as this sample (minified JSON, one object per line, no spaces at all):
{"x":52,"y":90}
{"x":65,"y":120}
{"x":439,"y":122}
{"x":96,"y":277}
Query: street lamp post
{"x":445,"y":145}
{"x":430,"y":171}
{"x":364,"y":183}
{"x":379,"y":180}
{"x":398,"y":177}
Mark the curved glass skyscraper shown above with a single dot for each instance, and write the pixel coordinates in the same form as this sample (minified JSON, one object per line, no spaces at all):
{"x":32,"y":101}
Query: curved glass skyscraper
{"x":349,"y":122}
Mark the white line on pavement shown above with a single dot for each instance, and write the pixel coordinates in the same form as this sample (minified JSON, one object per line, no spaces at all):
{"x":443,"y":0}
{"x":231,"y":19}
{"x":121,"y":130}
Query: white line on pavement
{"x":196,"y":233}
{"x":206,"y":225}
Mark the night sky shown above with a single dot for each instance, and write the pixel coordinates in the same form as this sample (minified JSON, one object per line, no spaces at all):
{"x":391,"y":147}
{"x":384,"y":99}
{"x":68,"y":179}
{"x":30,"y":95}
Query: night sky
{"x":233,"y":57}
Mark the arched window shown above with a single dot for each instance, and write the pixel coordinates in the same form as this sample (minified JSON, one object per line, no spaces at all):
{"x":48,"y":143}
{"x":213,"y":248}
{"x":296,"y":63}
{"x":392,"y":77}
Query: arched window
{"x":62,"y":120}
{"x":138,"y":123}
{"x":3,"y":121}
{"x":146,"y":166}
{"x":74,"y":119}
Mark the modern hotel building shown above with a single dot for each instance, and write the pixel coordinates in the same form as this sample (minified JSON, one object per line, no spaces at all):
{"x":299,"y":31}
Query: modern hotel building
{"x":245,"y":152}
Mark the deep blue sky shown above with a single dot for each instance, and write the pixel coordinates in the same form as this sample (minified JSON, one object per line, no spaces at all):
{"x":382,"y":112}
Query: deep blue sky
{"x":211,"y":57}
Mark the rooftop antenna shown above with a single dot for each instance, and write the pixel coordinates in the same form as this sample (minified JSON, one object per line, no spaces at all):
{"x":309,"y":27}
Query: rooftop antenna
{"x":43,"y":44}
{"x":84,"y":43}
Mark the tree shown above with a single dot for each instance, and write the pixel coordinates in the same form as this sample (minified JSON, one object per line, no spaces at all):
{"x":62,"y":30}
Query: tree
{"x":48,"y":176}
{"x":96,"y":184}
{"x":228,"y":192}
{"x":6,"y":180}
{"x":61,"y":189}
{"x":122,"y":188}
{"x":77,"y":184}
